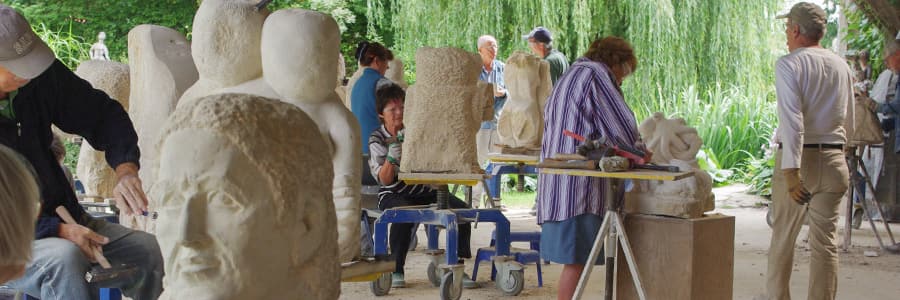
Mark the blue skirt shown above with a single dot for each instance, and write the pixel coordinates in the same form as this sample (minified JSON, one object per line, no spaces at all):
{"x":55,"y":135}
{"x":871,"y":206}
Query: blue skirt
{"x":570,"y":241}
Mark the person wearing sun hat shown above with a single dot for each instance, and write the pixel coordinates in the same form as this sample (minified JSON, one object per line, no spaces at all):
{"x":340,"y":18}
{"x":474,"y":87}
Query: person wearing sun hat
{"x":814,"y":91}
{"x":37,"y":91}
{"x":540,"y":42}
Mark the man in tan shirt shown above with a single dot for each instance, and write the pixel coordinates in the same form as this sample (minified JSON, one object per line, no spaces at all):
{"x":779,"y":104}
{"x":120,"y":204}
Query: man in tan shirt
{"x":815,"y":101}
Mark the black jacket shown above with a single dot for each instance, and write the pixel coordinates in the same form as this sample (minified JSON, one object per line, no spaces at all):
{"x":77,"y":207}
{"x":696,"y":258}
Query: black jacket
{"x":59,"y":97}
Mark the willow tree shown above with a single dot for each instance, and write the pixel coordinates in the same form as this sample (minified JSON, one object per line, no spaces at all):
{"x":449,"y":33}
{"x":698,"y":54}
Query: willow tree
{"x":708,"y":61}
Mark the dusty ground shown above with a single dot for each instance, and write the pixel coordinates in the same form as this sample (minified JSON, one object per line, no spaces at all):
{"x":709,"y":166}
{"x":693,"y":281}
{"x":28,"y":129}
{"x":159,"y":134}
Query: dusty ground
{"x":859,"y":277}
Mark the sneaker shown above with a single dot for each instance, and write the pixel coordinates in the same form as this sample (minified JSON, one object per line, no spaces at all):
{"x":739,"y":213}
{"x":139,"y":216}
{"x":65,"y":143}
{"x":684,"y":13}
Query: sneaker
{"x":468,"y":282}
{"x":397,"y":280}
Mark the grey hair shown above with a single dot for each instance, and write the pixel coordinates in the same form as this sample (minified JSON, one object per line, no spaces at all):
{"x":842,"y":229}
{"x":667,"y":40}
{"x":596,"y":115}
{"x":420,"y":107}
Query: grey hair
{"x":19,"y":197}
{"x":811,"y":30}
{"x":484,"y":39}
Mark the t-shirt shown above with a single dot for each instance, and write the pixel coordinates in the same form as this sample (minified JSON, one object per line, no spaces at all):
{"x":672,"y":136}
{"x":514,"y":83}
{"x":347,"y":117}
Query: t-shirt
{"x":558,"y":64}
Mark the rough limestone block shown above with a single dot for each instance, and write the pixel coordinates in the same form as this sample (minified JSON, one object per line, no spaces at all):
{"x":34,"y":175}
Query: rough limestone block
{"x":395,"y":72}
{"x":93,"y":171}
{"x":443,"y":111}
{"x":298,"y":51}
{"x":240,"y":214}
{"x":161,"y":70}
{"x":672,"y":143}
{"x":225,"y":45}
{"x":689,"y":259}
{"x":528,"y":85}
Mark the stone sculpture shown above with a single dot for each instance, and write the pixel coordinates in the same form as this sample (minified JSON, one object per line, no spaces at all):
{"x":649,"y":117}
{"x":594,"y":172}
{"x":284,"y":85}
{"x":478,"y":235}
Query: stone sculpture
{"x":395,"y":72}
{"x":93,"y":171}
{"x":161,"y":70}
{"x":528,"y":84}
{"x":236,"y":221}
{"x":672,"y":143}
{"x":447,"y":92}
{"x":98,"y":50}
{"x":298,"y":51}
{"x":226,"y":37}
{"x":341,"y":90}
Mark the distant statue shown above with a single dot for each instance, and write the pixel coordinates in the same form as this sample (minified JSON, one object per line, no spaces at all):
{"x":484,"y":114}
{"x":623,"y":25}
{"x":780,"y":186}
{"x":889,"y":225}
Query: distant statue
{"x":99,"y":50}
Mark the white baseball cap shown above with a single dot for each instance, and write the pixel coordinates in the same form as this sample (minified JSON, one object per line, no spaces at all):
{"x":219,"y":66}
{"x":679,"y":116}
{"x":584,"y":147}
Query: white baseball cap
{"x":21,"y":51}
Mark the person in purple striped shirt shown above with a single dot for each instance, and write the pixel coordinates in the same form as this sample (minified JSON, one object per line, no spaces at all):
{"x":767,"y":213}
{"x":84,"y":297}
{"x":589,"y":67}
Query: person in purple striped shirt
{"x":587,"y":100}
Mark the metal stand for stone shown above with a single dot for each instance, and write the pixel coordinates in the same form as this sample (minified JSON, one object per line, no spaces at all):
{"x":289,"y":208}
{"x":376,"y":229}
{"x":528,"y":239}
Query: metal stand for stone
{"x":855,"y":163}
{"x":612,"y":230}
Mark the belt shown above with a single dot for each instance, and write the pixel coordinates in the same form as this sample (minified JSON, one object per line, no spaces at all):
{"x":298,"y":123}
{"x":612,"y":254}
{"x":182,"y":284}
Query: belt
{"x":820,"y":146}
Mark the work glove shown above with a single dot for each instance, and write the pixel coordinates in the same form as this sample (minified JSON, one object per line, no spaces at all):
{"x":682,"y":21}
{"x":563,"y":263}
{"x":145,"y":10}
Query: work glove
{"x":796,"y":190}
{"x":400,"y":134}
{"x":394,"y":152}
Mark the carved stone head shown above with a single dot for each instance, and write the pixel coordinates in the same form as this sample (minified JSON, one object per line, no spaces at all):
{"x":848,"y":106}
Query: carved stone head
{"x":299,"y":51}
{"x":235,"y":222}
{"x":226,"y":38}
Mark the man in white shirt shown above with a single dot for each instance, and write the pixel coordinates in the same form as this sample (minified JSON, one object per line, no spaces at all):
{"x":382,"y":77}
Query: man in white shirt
{"x":815,"y":101}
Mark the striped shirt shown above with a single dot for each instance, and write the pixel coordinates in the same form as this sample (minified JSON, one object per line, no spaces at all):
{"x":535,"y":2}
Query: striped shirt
{"x":378,"y":148}
{"x":585,"y":101}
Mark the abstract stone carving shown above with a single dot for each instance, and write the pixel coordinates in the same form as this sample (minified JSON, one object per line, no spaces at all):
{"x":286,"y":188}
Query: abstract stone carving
{"x":672,"y":143}
{"x":395,"y":72}
{"x":226,"y":36}
{"x":528,"y":83}
{"x":298,"y":51}
{"x":161,"y":70}
{"x":238,"y":219}
{"x":443,"y":111}
{"x":92,"y":169}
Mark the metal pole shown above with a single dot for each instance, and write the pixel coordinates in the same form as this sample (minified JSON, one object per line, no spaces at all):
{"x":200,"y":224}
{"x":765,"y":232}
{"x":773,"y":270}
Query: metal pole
{"x":612,"y":241}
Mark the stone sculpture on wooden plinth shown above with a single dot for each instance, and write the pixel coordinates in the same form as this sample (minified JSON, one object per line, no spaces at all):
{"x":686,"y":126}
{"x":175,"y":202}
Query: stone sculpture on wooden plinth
{"x":235,"y":219}
{"x":225,"y":46}
{"x":93,"y":171}
{"x":672,"y":143}
{"x":443,"y":111}
{"x":298,"y":51}
{"x":528,"y":85}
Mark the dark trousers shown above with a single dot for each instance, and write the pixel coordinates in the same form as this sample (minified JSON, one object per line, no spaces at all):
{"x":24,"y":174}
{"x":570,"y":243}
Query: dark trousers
{"x":401,"y":233}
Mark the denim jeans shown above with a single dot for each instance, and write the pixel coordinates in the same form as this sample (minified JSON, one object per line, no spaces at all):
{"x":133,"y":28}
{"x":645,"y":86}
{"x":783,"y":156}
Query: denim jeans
{"x":57,"y":266}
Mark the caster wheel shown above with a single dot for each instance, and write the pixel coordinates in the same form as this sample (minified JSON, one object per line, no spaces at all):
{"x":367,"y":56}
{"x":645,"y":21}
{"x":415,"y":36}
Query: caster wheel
{"x":382,"y":285}
{"x":435,"y":274}
{"x":513,"y":284}
{"x":449,"y":289}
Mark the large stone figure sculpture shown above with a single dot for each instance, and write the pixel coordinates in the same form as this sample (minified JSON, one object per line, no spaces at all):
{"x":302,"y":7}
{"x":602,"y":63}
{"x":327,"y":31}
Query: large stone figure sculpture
{"x":443,"y":111}
{"x":528,"y":84}
{"x":672,"y":143}
{"x":226,"y":36}
{"x":161,"y":70}
{"x":236,"y":219}
{"x":298,"y":51}
{"x":93,"y":171}
{"x":395,"y":72}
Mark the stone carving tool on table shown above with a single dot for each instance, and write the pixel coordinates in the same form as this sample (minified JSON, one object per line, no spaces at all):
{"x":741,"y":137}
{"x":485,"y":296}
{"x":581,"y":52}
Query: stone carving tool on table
{"x":105,"y":271}
{"x":606,"y":154}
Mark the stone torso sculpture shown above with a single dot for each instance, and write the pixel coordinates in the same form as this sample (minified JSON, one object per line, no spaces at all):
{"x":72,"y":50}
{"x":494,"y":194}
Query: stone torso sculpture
{"x":528,"y":84}
{"x":395,"y":72}
{"x":235,"y":220}
{"x":98,"y":50}
{"x":226,"y":36}
{"x":447,"y":92}
{"x":92,"y":169}
{"x":161,"y":70}
{"x":673,"y":143}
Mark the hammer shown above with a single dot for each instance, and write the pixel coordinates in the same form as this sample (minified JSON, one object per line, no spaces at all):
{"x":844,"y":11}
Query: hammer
{"x":106,"y":270}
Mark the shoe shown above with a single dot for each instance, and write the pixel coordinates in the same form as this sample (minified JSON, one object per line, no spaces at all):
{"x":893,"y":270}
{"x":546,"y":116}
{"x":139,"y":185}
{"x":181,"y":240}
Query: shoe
{"x":397,"y":280}
{"x":468,"y":282}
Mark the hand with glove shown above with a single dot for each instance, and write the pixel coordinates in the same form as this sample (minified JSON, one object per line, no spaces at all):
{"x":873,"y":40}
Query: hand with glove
{"x":394,"y":152}
{"x":796,"y":190}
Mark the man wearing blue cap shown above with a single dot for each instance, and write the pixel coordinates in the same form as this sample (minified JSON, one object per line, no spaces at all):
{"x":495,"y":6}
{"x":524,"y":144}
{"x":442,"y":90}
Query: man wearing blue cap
{"x":539,"y":40}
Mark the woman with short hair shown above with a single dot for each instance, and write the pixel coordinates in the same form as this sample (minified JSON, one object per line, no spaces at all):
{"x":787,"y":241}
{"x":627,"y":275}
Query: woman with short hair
{"x":586,"y":100}
{"x":19,"y":197}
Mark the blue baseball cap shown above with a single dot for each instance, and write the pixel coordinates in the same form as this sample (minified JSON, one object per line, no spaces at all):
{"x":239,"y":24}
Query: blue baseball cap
{"x":540,"y":34}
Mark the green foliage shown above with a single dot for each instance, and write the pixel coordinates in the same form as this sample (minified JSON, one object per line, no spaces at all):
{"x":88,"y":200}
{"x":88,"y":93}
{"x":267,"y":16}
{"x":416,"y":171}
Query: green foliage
{"x":864,"y":35}
{"x":758,"y":175}
{"x":708,"y":162}
{"x":69,"y":49}
{"x":72,"y":151}
{"x":508,"y":183}
{"x":86,"y":18}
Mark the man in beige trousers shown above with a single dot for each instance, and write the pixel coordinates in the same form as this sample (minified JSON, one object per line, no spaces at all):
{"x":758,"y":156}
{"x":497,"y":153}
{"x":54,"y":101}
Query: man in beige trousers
{"x":814,"y":91}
